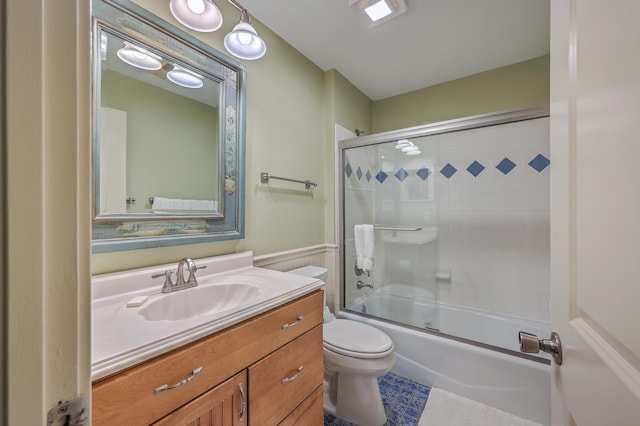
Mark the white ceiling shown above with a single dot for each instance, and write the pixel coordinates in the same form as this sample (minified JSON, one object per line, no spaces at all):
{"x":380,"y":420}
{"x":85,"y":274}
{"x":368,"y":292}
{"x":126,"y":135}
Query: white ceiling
{"x":433,"y":42}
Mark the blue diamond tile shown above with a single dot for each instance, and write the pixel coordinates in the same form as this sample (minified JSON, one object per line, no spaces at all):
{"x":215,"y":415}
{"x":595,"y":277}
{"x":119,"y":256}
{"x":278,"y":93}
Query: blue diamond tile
{"x":475,"y":168}
{"x":381,"y":176}
{"x":423,"y":173}
{"x":348,"y":170}
{"x":506,"y":165}
{"x":368,"y":176}
{"x":448,"y":171}
{"x":401,"y":174}
{"x":359,"y":173}
{"x":540,"y":162}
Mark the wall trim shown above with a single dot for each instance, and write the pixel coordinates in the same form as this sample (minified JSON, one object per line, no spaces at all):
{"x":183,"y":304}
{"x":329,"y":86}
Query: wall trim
{"x":325,"y":255}
{"x":288,"y":255}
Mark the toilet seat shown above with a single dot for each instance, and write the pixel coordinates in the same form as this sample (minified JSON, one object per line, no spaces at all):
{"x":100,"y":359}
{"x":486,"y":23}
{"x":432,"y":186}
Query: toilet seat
{"x":355,"y":339}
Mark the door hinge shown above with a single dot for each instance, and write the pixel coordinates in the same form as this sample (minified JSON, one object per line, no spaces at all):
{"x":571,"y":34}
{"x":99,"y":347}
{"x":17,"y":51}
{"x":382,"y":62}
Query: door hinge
{"x":70,"y":413}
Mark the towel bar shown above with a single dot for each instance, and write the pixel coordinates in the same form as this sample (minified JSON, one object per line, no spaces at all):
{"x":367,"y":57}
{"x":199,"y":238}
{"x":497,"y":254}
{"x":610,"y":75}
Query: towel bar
{"x":264,"y":178}
{"x":399,"y":228}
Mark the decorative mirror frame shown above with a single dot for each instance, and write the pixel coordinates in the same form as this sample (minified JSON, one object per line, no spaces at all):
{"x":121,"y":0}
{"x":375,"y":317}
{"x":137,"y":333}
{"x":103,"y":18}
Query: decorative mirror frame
{"x":116,"y":232}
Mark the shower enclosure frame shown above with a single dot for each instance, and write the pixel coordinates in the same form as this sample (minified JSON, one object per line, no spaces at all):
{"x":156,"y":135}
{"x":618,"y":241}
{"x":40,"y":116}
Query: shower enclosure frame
{"x":454,"y":125}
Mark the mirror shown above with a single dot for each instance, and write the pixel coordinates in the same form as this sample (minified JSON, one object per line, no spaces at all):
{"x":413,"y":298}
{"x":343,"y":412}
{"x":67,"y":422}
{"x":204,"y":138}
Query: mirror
{"x":168,"y":134}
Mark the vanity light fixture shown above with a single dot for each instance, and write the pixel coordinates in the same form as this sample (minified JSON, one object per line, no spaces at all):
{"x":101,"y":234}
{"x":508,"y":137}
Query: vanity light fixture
{"x":199,"y":15}
{"x":139,"y":57}
{"x":203,"y":15}
{"x":244,"y":41}
{"x":378,"y":11}
{"x":185,"y":78}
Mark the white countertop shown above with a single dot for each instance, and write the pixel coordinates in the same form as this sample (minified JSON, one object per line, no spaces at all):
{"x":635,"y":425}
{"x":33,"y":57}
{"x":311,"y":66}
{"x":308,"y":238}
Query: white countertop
{"x":121,"y":337}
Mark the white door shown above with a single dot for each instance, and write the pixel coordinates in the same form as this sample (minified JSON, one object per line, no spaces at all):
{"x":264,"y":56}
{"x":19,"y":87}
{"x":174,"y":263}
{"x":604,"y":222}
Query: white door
{"x":595,"y":210}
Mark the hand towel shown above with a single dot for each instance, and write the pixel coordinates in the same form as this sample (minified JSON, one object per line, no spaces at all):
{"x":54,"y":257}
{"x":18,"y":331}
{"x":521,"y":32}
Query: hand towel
{"x":179,"y":204}
{"x":365,"y":246}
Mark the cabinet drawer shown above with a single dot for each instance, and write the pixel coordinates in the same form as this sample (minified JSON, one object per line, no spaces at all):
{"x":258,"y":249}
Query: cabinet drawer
{"x":225,"y":404}
{"x":281,"y":381}
{"x":128,"y":397}
{"x":309,"y":413}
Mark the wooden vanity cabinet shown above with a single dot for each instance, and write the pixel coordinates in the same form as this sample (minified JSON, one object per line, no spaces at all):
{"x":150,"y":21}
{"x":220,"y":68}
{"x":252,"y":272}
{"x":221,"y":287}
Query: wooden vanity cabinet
{"x":257,"y":354}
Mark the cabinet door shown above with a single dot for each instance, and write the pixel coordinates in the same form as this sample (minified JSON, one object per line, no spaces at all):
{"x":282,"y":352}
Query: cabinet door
{"x":282,"y":380}
{"x":224,"y":405}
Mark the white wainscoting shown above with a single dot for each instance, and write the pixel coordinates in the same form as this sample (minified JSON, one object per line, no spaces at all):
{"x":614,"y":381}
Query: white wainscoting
{"x":324,"y":255}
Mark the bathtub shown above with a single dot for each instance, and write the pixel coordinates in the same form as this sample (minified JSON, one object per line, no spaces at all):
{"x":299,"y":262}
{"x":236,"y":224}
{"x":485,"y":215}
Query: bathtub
{"x":514,"y":384}
{"x":417,"y":308}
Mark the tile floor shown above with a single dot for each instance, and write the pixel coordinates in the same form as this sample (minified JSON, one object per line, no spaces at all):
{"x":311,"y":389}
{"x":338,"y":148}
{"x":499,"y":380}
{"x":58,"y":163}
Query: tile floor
{"x":402,"y":398}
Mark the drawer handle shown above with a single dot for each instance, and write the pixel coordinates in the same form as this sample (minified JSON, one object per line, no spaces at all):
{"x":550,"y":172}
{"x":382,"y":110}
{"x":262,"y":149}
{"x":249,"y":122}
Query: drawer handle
{"x":243,"y":403}
{"x":293,"y":324}
{"x":166,"y":387}
{"x":292,"y":378}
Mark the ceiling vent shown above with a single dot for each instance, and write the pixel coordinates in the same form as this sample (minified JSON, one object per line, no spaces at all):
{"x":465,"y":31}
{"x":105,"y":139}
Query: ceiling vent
{"x":378,"y":11}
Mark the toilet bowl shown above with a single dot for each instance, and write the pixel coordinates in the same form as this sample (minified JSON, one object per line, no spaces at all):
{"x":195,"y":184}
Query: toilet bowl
{"x":355,"y":354}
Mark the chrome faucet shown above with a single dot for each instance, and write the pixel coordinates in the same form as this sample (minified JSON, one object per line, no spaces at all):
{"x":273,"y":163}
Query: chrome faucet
{"x":180,"y":284}
{"x":191,"y":267}
{"x":360,"y":285}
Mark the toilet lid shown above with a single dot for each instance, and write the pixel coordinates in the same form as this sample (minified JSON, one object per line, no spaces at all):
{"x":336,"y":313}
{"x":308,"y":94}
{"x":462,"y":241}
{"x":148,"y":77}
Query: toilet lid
{"x":356,"y":339}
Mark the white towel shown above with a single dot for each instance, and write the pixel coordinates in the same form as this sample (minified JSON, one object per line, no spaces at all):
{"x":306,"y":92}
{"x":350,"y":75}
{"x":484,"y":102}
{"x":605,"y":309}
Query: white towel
{"x":161,"y":203}
{"x":365,"y":246}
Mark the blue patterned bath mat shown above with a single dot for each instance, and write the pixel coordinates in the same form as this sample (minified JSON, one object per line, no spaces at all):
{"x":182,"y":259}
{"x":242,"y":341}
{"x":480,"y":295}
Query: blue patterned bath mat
{"x":402,"y":398}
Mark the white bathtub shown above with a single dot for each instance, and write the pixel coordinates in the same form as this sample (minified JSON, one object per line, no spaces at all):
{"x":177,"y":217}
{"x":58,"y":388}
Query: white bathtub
{"x":510,"y":383}
{"x":417,"y":307}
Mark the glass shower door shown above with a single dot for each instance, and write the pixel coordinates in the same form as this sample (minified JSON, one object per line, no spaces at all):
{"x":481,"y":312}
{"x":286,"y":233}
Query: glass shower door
{"x":391,"y":187}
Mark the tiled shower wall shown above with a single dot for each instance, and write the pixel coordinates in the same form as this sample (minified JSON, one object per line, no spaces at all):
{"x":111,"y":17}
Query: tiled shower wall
{"x":494,"y":219}
{"x":485,"y":191}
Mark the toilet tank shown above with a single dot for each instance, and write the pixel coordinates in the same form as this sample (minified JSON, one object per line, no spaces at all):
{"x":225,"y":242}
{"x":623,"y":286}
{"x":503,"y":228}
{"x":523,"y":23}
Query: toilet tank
{"x":320,"y":273}
{"x":312,"y":271}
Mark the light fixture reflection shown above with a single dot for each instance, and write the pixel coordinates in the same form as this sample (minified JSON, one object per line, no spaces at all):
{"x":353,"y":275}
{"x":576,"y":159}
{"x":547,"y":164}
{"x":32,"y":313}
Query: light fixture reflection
{"x":139,"y":57}
{"x":414,"y":152}
{"x":199,"y":15}
{"x":409,"y":148}
{"x":244,"y":41}
{"x":185,"y":78}
{"x":403,"y":143}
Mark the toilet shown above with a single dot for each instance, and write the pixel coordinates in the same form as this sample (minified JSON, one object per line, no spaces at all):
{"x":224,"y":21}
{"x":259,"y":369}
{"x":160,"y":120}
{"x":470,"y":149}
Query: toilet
{"x":355,"y":354}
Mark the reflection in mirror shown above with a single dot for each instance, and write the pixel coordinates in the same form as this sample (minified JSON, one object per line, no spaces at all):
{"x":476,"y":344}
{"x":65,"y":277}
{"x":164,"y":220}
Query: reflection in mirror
{"x":158,"y":139}
{"x":168,"y":134}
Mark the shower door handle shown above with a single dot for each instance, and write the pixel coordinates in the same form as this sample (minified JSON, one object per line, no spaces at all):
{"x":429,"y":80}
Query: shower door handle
{"x":529,"y":343}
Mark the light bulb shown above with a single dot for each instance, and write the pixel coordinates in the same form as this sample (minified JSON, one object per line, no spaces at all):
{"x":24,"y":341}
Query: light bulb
{"x":196,"y":6}
{"x":244,"y":38}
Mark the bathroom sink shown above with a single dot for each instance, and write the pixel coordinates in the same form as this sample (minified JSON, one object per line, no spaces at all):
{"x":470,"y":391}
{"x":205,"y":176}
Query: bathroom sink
{"x":198,"y":301}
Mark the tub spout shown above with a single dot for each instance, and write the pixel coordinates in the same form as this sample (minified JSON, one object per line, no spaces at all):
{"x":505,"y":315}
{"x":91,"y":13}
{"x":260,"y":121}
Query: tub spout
{"x":360,"y":285}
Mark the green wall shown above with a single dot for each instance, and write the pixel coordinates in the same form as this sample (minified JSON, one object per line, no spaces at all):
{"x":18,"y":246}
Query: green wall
{"x":518,"y":85}
{"x":347,"y":106}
